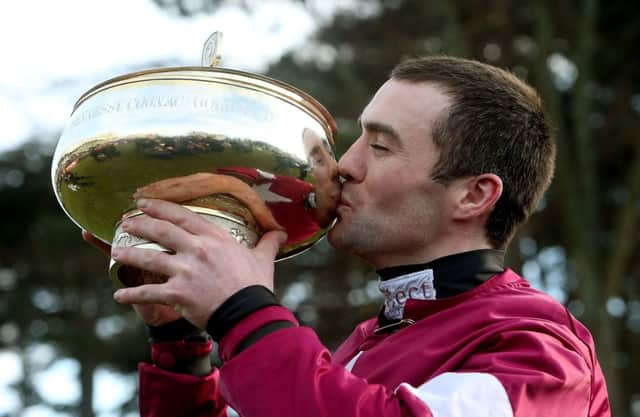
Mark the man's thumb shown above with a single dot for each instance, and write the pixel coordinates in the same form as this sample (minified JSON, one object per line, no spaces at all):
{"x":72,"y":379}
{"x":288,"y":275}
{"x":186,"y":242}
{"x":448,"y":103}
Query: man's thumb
{"x":271,"y":241}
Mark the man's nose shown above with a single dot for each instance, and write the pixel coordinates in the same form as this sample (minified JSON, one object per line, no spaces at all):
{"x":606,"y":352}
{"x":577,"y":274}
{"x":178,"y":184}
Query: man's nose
{"x":342,"y":173}
{"x":349,"y":166}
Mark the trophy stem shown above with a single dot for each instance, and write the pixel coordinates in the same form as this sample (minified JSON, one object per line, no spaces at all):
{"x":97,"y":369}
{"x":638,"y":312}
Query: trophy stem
{"x":126,"y":276}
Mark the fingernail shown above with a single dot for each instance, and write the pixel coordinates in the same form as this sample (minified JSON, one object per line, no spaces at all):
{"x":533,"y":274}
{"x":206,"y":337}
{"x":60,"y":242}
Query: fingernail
{"x":115,"y":252}
{"x":142,"y":203}
{"x":117,"y":295}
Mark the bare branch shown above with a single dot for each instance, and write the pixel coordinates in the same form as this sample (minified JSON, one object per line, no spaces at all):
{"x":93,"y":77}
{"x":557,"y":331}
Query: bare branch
{"x":586,"y":169}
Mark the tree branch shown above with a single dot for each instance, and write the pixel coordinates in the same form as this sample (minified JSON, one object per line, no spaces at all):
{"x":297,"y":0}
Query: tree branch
{"x":587,"y":170}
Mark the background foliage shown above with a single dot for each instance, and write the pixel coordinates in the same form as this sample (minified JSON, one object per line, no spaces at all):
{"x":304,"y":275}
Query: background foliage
{"x":580,"y":246}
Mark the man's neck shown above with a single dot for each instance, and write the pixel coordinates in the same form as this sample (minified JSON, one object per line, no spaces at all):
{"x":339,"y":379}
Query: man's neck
{"x":427,"y":255}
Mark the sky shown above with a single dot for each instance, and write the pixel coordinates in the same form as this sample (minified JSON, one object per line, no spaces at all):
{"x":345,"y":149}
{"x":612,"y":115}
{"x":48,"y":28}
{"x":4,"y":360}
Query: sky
{"x":53,"y":51}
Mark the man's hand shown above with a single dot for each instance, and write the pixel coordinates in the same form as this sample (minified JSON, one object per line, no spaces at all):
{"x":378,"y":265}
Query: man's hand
{"x":208,"y":265}
{"x":151,"y":314}
{"x":190,"y":187}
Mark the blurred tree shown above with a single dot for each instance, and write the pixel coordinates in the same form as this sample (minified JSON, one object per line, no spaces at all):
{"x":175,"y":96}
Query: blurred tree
{"x":54,"y":289}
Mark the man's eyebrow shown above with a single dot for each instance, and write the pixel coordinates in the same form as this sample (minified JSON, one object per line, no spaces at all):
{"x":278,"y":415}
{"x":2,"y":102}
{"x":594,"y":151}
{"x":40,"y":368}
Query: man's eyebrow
{"x":378,"y":127}
{"x":314,"y":150}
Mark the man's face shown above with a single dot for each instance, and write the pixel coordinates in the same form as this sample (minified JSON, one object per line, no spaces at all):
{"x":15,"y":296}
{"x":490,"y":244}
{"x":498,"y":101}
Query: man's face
{"x":391,"y":212}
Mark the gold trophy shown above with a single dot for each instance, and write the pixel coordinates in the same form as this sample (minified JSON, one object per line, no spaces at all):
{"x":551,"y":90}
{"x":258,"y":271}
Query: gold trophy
{"x":246,"y":152}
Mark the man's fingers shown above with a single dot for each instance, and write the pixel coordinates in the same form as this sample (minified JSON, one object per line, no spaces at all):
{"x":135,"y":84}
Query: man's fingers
{"x":270,"y":243}
{"x":160,"y":231}
{"x":144,"y":294}
{"x":179,"y":216}
{"x":147,"y":259}
{"x":156,"y":314}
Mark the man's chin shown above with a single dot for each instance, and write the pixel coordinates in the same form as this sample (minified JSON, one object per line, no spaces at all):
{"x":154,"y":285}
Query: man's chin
{"x":335,"y":236}
{"x":331,"y":234}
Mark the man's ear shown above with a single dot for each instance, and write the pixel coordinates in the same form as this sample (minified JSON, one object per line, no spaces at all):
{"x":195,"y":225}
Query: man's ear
{"x":477,"y":196}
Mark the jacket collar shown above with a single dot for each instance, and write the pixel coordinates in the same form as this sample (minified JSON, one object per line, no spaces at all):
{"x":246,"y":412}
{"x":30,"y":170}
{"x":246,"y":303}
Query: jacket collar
{"x":441,"y":278}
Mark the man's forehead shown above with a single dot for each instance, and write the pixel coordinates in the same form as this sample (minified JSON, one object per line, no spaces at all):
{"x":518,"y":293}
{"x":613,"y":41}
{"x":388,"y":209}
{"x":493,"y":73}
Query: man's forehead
{"x":384,"y":103}
{"x":399,"y":102}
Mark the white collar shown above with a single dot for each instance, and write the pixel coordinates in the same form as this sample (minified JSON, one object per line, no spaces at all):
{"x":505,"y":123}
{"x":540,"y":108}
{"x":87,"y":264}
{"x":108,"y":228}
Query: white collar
{"x":416,"y":285}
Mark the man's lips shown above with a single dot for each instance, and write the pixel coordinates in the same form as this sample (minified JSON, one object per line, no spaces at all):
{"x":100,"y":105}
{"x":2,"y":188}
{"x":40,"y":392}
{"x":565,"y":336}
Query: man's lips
{"x":342,"y":201}
{"x":343,"y":207}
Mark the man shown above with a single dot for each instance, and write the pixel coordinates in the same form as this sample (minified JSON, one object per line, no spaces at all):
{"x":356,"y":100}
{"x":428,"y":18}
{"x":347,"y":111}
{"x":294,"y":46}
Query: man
{"x":453,"y":156}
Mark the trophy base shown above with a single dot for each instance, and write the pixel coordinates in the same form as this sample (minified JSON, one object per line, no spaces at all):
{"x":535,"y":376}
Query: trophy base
{"x":128,"y":276}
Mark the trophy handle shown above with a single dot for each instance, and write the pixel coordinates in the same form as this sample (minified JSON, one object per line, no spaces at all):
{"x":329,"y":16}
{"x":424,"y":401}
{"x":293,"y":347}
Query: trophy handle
{"x":211,"y":56}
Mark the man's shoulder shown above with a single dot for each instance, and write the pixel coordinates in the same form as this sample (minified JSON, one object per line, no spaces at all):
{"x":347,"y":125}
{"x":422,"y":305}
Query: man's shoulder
{"x":512,"y":303}
{"x":508,"y":296}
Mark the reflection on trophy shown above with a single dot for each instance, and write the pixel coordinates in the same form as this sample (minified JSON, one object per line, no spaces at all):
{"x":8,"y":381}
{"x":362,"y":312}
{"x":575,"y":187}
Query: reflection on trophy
{"x":246,"y":152}
{"x":324,"y":167}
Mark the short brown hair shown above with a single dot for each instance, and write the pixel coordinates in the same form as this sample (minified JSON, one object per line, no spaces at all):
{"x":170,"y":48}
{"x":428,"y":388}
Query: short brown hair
{"x":495,"y":124}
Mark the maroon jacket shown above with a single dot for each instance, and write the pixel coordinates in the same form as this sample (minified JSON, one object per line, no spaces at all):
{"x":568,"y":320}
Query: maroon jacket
{"x":501,"y":349}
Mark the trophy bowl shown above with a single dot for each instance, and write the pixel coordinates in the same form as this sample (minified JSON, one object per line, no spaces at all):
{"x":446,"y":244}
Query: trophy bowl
{"x":246,"y":152}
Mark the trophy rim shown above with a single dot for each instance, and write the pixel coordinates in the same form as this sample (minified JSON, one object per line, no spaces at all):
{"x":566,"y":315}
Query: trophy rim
{"x":249,"y":80}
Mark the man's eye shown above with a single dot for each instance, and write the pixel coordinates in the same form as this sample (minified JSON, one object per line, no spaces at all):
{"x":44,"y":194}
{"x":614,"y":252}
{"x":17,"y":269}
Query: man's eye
{"x":378,"y":147}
